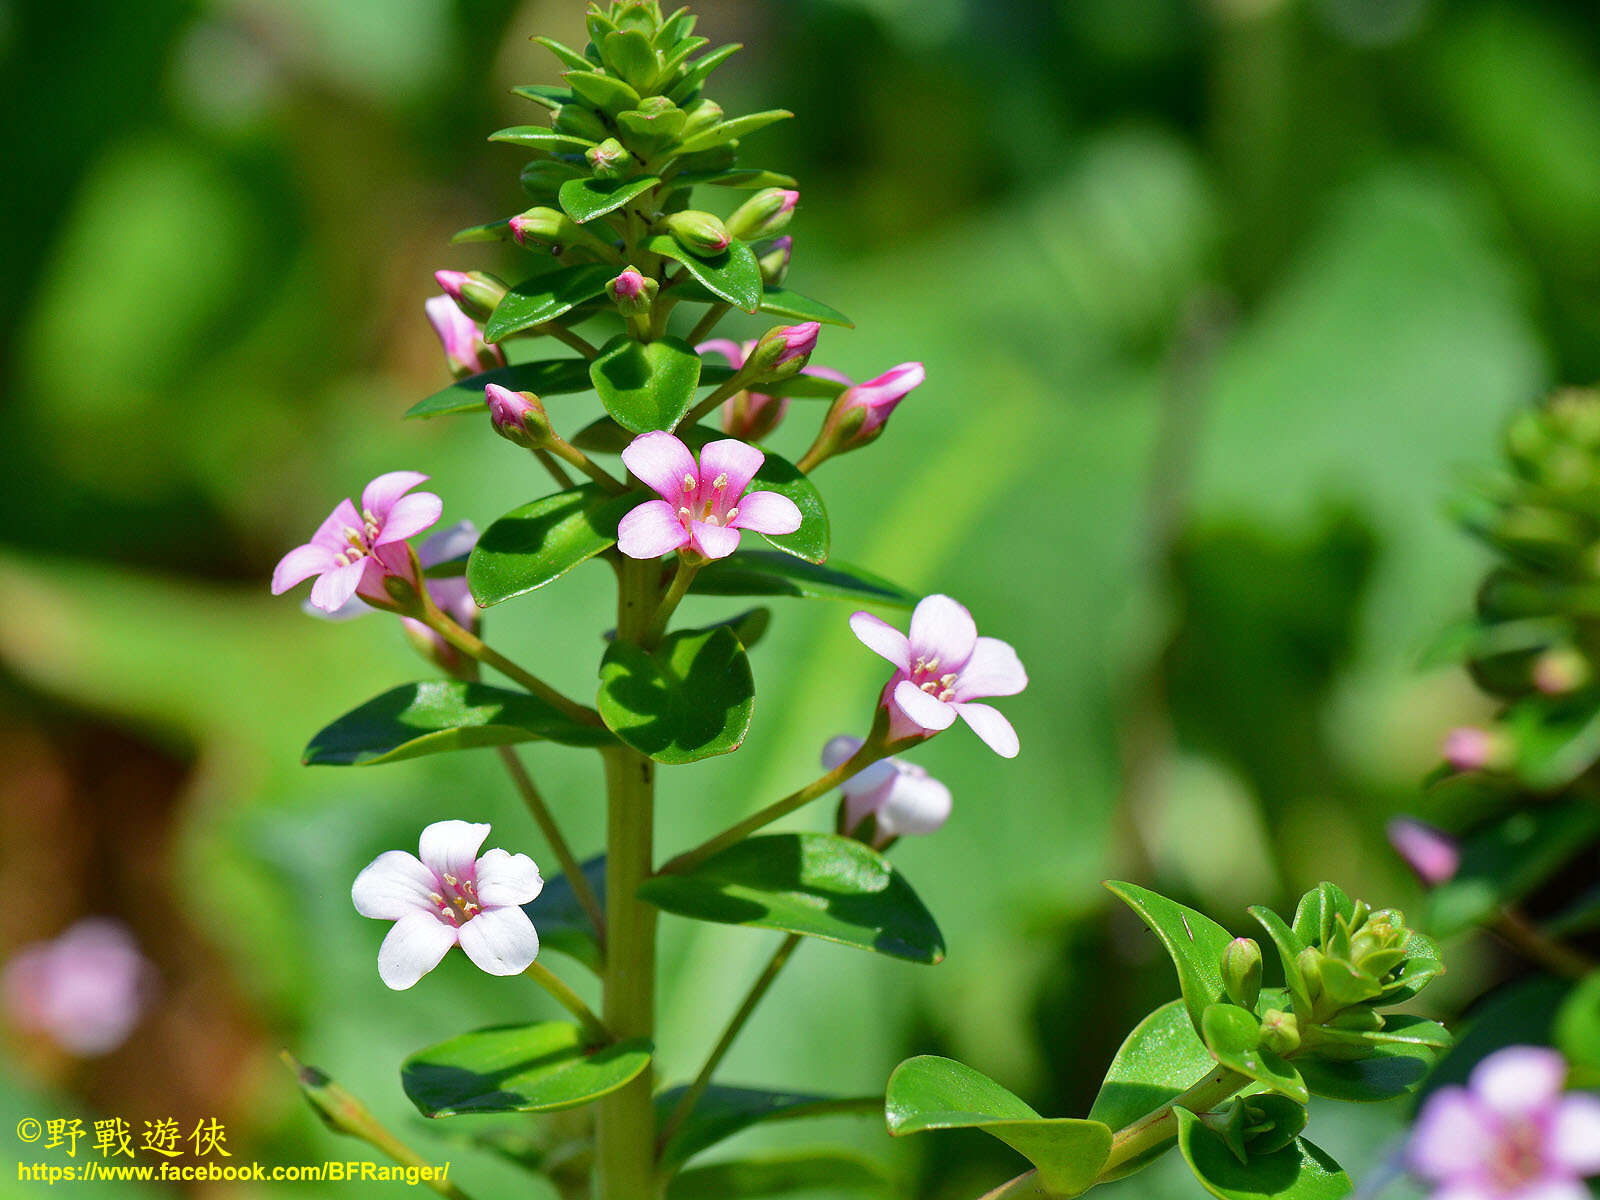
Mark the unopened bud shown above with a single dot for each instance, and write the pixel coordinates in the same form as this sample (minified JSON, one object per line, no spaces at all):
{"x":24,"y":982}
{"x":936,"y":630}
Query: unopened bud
{"x":1557,"y":672}
{"x":781,"y":352}
{"x":1310,"y":963}
{"x":552,"y":228}
{"x":751,"y":416}
{"x":698,"y":232}
{"x":1241,"y":971}
{"x":610,"y":159}
{"x":774,"y":261}
{"x":465,"y":351}
{"x":518,"y":417}
{"x":1433,"y":855}
{"x":858,"y":416}
{"x":1471,"y":749}
{"x":1280,"y":1031}
{"x":766,"y":213}
{"x":476,"y":293}
{"x":632,"y":292}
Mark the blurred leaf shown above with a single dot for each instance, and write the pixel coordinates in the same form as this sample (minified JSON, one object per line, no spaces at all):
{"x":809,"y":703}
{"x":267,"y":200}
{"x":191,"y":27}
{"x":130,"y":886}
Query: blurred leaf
{"x":1504,"y":860}
{"x":542,"y":299}
{"x":690,"y":698}
{"x":1577,"y":1028}
{"x":816,"y":884}
{"x":1233,"y":1036}
{"x":1556,"y":739}
{"x":1523,"y":1012}
{"x":539,"y":542}
{"x":437,"y":716}
{"x":646,"y":385}
{"x":724,"y":1111}
{"x":518,"y":1068}
{"x":1194,"y":941}
{"x":552,"y":377}
{"x":769,"y":573}
{"x":562,"y":923}
{"x":733,"y":276}
{"x":781,"y":1175}
{"x":585,"y":199}
{"x":743,"y":178}
{"x":939,"y":1093}
{"x":1297,"y":1172}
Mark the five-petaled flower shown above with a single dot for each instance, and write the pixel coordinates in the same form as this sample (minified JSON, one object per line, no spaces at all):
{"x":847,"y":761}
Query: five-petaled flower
{"x":85,"y":990}
{"x":901,"y":797}
{"x":703,"y":506}
{"x":940,"y":670}
{"x":1510,"y":1134}
{"x":465,"y":351}
{"x":450,"y":896}
{"x":353,"y":552}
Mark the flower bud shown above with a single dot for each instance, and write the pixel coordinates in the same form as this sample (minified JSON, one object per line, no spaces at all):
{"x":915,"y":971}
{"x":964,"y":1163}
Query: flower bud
{"x":1557,"y":672}
{"x":554,"y":229}
{"x":781,"y":352}
{"x":1241,"y":971}
{"x":1377,"y":947}
{"x":519,"y":417}
{"x":632,"y":292}
{"x":610,"y":159}
{"x":1472,"y":749}
{"x":774,"y":261}
{"x":476,"y":293}
{"x":702,"y":114}
{"x":859,"y":414}
{"x":696,"y":231}
{"x":465,"y":351}
{"x":1310,"y":963}
{"x":766,"y":213}
{"x":1280,"y":1031}
{"x":1432,"y":854}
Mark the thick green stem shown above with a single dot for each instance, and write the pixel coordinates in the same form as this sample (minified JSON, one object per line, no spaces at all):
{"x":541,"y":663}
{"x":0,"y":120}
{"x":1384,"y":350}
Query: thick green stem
{"x":563,"y":994}
{"x":1155,"y":1128}
{"x":758,"y":992}
{"x":870,"y":752}
{"x":625,"y":1119}
{"x":559,"y":846}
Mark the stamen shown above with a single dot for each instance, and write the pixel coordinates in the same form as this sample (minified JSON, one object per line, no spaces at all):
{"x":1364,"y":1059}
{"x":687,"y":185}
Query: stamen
{"x":732,"y":513}
{"x":947,"y":680}
{"x":711,"y":519}
{"x":684,"y":514}
{"x":689,"y":482}
{"x":933,"y":663}
{"x":720,"y":482}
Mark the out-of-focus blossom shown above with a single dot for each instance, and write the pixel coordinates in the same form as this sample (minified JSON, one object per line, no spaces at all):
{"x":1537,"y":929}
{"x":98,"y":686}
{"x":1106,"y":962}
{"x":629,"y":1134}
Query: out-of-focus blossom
{"x":901,"y":797}
{"x":84,"y":990}
{"x":1432,"y":854}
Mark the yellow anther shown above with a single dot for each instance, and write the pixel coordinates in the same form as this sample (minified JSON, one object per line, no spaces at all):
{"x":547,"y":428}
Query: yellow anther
{"x":689,"y":483}
{"x":720,"y":482}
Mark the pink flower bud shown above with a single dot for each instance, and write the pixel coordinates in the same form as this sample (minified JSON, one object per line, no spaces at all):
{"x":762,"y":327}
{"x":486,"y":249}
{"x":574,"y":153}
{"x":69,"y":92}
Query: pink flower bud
{"x":465,"y":351}
{"x":518,"y":416}
{"x":859,"y":414}
{"x":1431,"y":853}
{"x":781,"y":352}
{"x":632,"y":292}
{"x":1470,"y":749}
{"x":86,"y":990}
{"x":476,"y":293}
{"x":774,"y":260}
{"x":764,"y":214}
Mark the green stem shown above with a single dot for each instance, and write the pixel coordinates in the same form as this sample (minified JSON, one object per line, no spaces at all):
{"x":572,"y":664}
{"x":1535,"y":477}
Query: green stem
{"x":571,"y":455}
{"x":758,"y":991}
{"x":1528,"y":940}
{"x":870,"y":752}
{"x":562,"y":334}
{"x":570,"y":867}
{"x":473,"y":646}
{"x":688,"y":567}
{"x":548,"y":462}
{"x":625,"y":1119}
{"x":1157,"y":1127}
{"x":596,"y":1029}
{"x":707,"y":323}
{"x":709,"y":405}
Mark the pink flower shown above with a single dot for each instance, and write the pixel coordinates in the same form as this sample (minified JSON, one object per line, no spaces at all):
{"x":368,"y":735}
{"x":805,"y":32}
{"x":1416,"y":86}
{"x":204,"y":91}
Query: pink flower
{"x":940,"y":669}
{"x":464,"y":348}
{"x":85,"y":990}
{"x":702,"y":507}
{"x":1510,"y":1134}
{"x":1470,"y":749}
{"x":798,"y":342}
{"x":627,"y":286}
{"x":902,"y":798}
{"x":352,"y":552}
{"x":1431,"y":853}
{"x":447,"y":897}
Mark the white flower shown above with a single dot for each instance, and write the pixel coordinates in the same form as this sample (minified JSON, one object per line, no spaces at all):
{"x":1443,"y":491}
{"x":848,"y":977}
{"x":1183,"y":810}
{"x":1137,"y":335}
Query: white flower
{"x":901,"y":797}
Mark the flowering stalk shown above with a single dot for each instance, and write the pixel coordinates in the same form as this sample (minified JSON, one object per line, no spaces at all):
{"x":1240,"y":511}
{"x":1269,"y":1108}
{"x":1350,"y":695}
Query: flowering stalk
{"x":563,"y":995}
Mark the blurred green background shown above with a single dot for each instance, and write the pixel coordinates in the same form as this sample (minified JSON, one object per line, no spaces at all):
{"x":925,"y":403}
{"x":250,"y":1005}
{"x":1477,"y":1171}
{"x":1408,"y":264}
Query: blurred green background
{"x":1217,"y":299}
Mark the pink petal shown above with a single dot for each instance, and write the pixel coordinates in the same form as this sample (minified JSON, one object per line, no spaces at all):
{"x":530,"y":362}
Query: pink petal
{"x":729,"y":350}
{"x":378,"y":497}
{"x":413,"y":948}
{"x":828,"y":373}
{"x":448,"y":544}
{"x":505,"y":878}
{"x":882,"y":638}
{"x":838,"y":749}
{"x":451,"y":847}
{"x":917,"y":804}
{"x":389,"y":560}
{"x":1431,"y":853}
{"x":394,"y":885}
{"x":1453,"y":1136}
{"x":927,"y":712}
{"x":333,"y":589}
{"x":1518,"y":1080}
{"x":331,"y":533}
{"x":663,"y":463}
{"x":993,"y":670}
{"x":651,"y":530}
{"x":944,"y":630}
{"x":301,"y":564}
{"x":870,"y":779}
{"x":767,"y":512}
{"x":859,"y":804}
{"x":733,"y":458}
{"x":1471,"y":1189}
{"x":1575,"y":1133}
{"x":1550,"y":1189}
{"x":409,"y":516}
{"x":501,"y":941}
{"x":993,"y":728}
{"x":714,"y":541}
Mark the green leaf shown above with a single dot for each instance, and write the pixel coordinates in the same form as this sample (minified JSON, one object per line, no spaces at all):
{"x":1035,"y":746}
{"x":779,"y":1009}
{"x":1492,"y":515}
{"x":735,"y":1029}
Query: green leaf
{"x":690,"y":698}
{"x":648,"y":385}
{"x":777,"y":1175}
{"x":1299,"y":1171}
{"x":585,"y":199}
{"x":1162,"y":1057}
{"x":568,"y":56}
{"x":552,"y":377}
{"x":1233,"y":1035}
{"x":699,"y":70}
{"x":605,"y":92}
{"x":545,"y":297}
{"x":817,"y":884}
{"x":727,"y":131}
{"x":725,"y":1111}
{"x":1577,"y":1028}
{"x":437,"y":716}
{"x":1288,"y":1120}
{"x":771,"y":573}
{"x":1476,"y":638}
{"x":541,"y":541}
{"x":778,"y":474}
{"x":1392,"y":1070}
{"x":781,"y":302}
{"x":1506,"y":859}
{"x":629,"y":54}
{"x":733,"y":276}
{"x":740,"y":178}
{"x":1194,"y":941}
{"x":543,"y":95}
{"x":1422,"y":963}
{"x":518,"y":1068}
{"x":1398,"y":1030}
{"x":1289,"y":948}
{"x":749,"y":626}
{"x":562,"y":923}
{"x":541,"y":138}
{"x":1313,"y":916}
{"x":939,"y":1093}
{"x":1557,"y":739}
{"x":491,"y":231}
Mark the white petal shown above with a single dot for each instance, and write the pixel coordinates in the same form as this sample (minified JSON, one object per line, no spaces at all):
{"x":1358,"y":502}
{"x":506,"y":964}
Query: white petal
{"x":451,"y":847}
{"x":301,"y":564}
{"x":882,"y":639}
{"x":333,"y":589}
{"x":1519,"y":1079}
{"x":992,"y":727}
{"x":926,"y":711}
{"x":505,"y":878}
{"x":714,"y":541}
{"x":993,"y":670}
{"x":838,"y":749}
{"x":501,"y":941}
{"x":392,"y":886}
{"x":1550,"y":1189}
{"x":413,"y":948}
{"x":1575,"y":1133}
{"x":942,"y":629}
{"x":448,"y":544}
{"x":917,"y":803}
{"x":769,"y":513}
